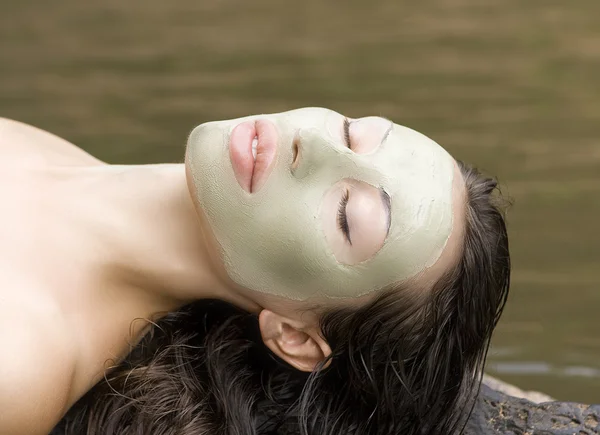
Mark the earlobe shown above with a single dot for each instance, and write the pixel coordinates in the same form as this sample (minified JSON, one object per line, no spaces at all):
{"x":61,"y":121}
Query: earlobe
{"x":299,"y":345}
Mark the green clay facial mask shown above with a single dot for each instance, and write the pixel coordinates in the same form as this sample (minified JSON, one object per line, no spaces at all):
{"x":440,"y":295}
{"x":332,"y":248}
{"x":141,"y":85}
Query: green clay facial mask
{"x":273,"y":240}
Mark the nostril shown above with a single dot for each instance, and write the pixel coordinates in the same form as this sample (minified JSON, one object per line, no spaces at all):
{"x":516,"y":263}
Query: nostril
{"x":295,"y":153}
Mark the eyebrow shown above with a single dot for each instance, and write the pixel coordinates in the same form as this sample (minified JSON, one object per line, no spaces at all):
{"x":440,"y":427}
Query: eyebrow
{"x":387,"y":205}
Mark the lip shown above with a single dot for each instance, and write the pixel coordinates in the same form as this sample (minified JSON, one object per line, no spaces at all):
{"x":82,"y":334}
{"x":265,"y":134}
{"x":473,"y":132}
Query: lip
{"x":250,"y":174}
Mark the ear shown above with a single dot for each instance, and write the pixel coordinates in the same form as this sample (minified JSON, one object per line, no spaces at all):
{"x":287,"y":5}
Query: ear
{"x":298,"y":344}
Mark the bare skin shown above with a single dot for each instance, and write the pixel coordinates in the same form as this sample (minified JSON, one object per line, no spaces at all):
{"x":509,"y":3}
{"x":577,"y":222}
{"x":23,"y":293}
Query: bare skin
{"x":88,"y":248}
{"x":79,"y":268}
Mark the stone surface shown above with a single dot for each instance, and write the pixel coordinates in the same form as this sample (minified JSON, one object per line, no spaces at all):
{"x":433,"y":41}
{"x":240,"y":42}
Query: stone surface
{"x":511,"y":390}
{"x":498,"y":413}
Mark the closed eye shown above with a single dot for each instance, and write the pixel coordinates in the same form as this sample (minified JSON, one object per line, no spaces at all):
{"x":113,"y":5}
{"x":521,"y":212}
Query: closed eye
{"x":342,"y":217}
{"x":347,"y":133}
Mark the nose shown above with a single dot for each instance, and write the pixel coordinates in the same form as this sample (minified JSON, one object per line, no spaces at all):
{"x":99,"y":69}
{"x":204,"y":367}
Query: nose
{"x":320,"y":147}
{"x":310,"y":151}
{"x":295,"y":152}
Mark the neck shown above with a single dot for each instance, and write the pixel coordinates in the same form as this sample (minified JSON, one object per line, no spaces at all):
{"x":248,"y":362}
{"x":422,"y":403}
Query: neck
{"x":154,"y":233}
{"x":140,"y":234}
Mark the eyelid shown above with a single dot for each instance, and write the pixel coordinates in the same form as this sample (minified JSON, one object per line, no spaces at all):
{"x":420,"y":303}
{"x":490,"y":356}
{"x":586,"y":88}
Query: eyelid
{"x":347,"y":133}
{"x":368,"y":134}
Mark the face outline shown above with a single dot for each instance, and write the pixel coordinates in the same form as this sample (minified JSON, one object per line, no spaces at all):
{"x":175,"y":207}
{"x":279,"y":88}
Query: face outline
{"x":320,"y":160}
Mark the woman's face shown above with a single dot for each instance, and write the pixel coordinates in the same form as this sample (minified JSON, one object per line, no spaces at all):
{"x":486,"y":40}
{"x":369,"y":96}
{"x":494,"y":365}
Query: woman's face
{"x":309,"y":203}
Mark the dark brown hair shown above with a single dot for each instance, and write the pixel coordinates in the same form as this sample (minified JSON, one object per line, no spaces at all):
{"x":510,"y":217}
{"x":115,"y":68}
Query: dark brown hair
{"x":397,"y":367}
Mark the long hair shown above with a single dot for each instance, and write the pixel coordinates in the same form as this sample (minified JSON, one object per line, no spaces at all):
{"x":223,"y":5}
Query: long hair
{"x":397,"y":366}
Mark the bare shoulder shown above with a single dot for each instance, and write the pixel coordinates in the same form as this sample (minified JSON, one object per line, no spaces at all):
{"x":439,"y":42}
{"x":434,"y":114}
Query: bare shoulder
{"x":37,"y":365}
{"x":24,"y":143}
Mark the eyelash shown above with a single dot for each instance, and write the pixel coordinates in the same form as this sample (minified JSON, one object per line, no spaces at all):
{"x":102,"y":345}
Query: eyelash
{"x":347,"y":132}
{"x":342,"y":217}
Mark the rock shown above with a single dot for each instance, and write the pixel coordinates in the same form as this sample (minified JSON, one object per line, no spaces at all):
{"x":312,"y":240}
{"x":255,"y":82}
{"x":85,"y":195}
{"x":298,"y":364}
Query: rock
{"x":498,"y":413}
{"x":511,"y":390}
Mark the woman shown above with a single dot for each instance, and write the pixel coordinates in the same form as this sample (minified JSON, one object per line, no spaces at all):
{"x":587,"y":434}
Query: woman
{"x":367,"y":268}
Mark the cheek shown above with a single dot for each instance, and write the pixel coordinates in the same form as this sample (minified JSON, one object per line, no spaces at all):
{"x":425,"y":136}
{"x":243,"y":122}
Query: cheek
{"x":331,"y":232}
{"x":282,"y":235}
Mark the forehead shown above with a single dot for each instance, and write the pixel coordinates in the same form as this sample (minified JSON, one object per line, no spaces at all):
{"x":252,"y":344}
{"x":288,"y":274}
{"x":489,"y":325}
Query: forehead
{"x":412,"y":162}
{"x":409,"y":144}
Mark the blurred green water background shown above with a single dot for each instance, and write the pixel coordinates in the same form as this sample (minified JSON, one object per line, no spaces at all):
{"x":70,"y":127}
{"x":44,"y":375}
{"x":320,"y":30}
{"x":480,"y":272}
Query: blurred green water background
{"x":512,"y":86}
